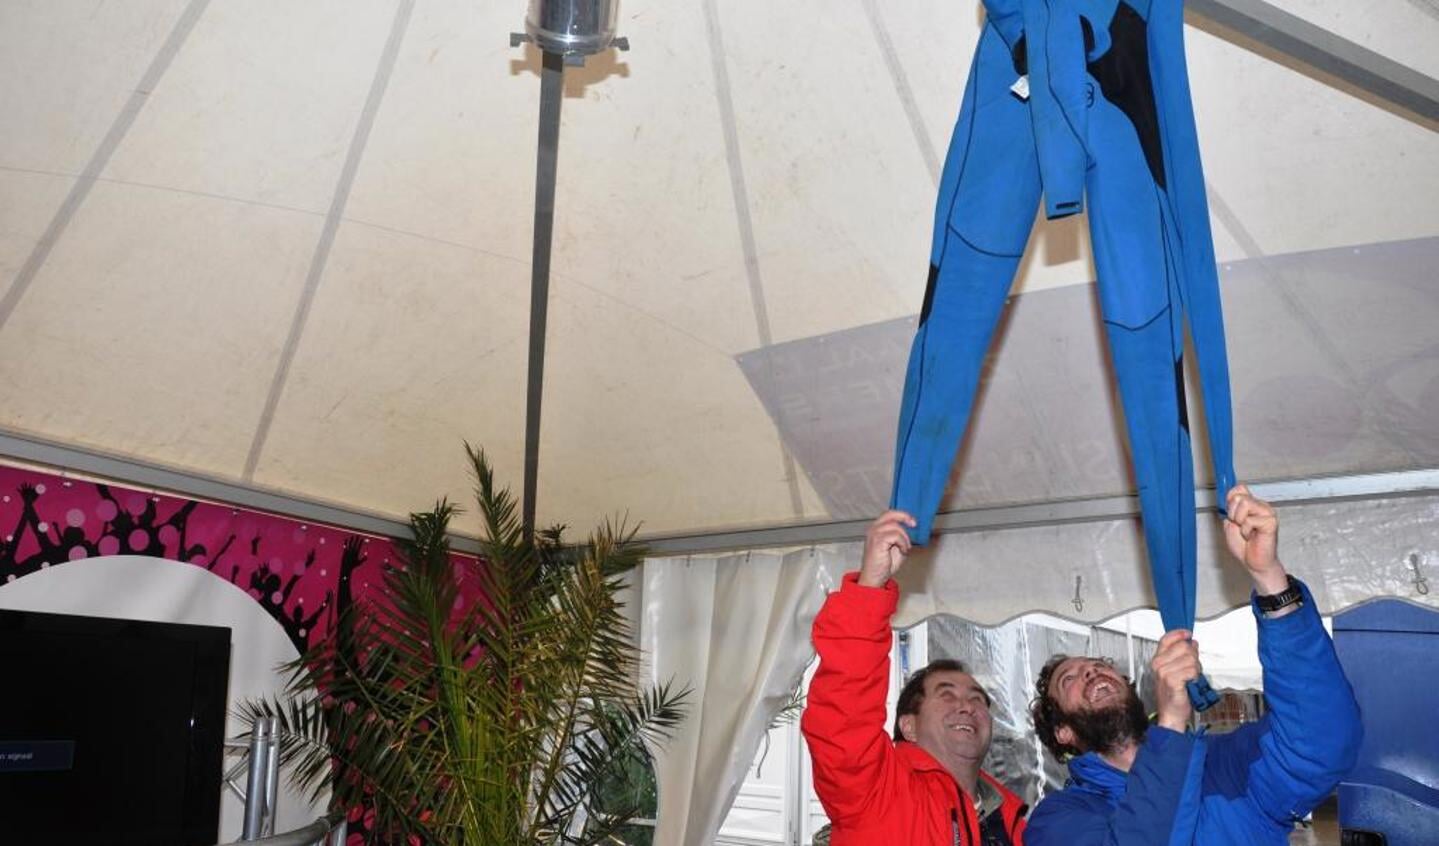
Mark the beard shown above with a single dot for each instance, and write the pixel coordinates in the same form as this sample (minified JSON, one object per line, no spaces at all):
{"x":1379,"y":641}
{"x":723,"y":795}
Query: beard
{"x":1107,"y":729}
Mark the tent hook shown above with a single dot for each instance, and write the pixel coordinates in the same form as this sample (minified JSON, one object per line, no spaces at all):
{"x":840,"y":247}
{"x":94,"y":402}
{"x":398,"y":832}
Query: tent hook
{"x":1078,"y":601}
{"x":1421,"y":584}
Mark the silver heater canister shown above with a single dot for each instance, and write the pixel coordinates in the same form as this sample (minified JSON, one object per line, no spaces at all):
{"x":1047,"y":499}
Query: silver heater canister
{"x":572,"y":27}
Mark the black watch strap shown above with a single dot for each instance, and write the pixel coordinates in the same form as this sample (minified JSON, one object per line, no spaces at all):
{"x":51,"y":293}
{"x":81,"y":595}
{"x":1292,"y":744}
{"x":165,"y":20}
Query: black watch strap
{"x":1291,"y":595}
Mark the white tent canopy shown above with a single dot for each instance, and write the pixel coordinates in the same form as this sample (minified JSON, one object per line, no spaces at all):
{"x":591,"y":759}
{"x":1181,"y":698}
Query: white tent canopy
{"x":286,"y":247}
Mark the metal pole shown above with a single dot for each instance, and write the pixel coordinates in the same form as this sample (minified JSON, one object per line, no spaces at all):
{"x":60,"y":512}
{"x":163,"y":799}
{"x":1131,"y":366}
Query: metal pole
{"x":272,"y":777}
{"x":552,"y":78}
{"x":255,"y":784}
{"x":1324,"y":51}
{"x":1356,"y":487}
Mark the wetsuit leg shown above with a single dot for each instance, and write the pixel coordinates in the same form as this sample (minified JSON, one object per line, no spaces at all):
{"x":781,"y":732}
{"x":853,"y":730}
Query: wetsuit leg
{"x":1138,"y":256}
{"x":1199,"y":280}
{"x":1143,"y":321}
{"x":988,"y":196}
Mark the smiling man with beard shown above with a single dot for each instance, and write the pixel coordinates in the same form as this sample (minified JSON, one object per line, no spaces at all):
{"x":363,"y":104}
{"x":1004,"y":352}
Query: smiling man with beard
{"x":924,"y":784}
{"x":1133,"y":784}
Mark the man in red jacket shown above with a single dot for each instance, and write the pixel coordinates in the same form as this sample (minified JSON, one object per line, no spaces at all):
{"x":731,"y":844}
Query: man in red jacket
{"x":925,"y":786}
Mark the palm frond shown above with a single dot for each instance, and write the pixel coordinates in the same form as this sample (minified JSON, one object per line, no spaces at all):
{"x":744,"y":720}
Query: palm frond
{"x":614,"y":733}
{"x":790,"y":710}
{"x":490,"y":725}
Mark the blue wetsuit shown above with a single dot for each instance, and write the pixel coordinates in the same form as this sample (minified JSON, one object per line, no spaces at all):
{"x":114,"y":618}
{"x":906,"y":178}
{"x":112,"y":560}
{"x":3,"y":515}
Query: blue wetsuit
{"x":1108,"y":118}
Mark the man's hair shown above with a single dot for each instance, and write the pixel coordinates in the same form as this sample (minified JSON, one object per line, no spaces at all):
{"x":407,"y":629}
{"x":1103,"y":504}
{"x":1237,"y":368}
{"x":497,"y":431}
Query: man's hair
{"x":912,"y":694}
{"x":1045,"y":712}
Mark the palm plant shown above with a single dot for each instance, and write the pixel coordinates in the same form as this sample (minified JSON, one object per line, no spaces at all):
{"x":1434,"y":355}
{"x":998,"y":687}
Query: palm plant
{"x":493,"y":724}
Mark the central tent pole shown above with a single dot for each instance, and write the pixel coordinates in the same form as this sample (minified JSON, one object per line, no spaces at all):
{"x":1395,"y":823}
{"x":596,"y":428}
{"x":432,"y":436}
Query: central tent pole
{"x":552,"y":79}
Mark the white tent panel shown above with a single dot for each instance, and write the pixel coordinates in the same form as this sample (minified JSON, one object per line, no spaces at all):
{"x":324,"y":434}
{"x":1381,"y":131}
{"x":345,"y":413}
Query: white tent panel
{"x":255,"y":112}
{"x":66,"y":70}
{"x":365,"y":383}
{"x":615,"y":415}
{"x":850,"y":234}
{"x":155,"y":325}
{"x":440,"y":162}
{"x":22,"y":225}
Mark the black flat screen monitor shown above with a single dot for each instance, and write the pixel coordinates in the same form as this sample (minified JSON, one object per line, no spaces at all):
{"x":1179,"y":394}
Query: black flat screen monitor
{"x":111,"y":731}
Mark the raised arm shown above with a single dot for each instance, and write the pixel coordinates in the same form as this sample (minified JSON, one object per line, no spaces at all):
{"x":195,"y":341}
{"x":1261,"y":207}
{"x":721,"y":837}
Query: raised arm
{"x":844,"y":716}
{"x":1310,"y":736}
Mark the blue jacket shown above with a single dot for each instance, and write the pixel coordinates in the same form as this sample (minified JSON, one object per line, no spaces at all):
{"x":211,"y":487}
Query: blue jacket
{"x":1246,"y":787}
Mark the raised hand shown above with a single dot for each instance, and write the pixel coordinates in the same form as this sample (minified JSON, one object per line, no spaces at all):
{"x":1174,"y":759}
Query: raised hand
{"x":886,"y":545}
{"x":1175,"y":662}
{"x":1252,"y":533}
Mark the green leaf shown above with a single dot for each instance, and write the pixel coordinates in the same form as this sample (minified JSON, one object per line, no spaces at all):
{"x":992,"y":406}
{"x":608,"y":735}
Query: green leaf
{"x":514,"y":721}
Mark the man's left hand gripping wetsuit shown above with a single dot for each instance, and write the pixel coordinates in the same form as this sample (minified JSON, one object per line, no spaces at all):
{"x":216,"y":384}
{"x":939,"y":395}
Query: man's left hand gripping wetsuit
{"x":1108,"y":116}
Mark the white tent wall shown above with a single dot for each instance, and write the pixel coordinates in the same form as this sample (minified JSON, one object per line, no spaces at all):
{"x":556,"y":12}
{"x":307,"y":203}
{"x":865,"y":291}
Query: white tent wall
{"x":736,"y":627}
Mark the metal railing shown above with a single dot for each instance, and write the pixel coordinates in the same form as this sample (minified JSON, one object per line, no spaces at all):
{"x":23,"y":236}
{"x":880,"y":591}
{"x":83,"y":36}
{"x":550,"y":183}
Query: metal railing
{"x":326,"y":831}
{"x":261,"y":793}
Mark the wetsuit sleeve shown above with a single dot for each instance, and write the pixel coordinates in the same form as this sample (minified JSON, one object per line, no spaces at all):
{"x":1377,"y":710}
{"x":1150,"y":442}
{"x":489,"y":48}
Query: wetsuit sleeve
{"x":844,"y":716}
{"x":1154,"y":790}
{"x":1312,"y":729}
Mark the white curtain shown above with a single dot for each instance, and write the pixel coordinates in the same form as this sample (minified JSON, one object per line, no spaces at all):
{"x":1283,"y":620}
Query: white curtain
{"x":736,"y":629}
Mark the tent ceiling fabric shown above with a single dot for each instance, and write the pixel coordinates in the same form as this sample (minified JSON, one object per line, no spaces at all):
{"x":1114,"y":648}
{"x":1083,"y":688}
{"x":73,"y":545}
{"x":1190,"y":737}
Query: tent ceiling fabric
{"x":205,"y":204}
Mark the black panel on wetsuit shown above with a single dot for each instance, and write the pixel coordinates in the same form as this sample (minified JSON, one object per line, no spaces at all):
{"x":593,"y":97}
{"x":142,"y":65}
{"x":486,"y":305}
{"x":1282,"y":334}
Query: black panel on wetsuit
{"x":928,"y":294}
{"x":1179,"y":389}
{"x":1123,"y":74}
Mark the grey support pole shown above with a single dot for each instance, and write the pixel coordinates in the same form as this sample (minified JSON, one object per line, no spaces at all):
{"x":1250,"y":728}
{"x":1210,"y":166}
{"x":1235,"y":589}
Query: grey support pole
{"x":1298,"y":39}
{"x":566,"y":31}
{"x":272,"y":779}
{"x":261,"y":736}
{"x":552,"y":83}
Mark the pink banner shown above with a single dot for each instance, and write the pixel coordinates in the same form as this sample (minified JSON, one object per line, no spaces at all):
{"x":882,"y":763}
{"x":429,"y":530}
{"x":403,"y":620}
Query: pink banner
{"x":303,"y":574}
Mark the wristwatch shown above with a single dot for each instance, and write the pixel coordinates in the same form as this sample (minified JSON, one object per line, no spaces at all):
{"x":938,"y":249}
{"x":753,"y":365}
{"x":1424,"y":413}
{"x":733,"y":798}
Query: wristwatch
{"x":1269,"y":603}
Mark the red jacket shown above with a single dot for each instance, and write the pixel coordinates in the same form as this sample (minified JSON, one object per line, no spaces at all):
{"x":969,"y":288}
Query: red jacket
{"x":877,"y":791}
